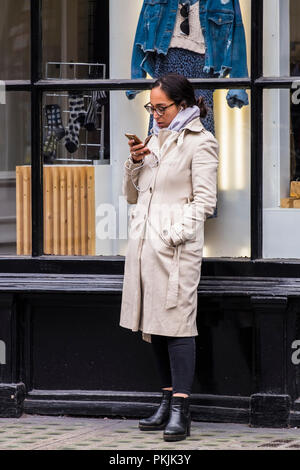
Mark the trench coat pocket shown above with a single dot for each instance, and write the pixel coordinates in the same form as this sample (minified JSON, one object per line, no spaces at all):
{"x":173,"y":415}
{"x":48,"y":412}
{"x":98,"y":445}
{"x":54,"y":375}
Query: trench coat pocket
{"x":192,"y":245}
{"x":196,"y":243}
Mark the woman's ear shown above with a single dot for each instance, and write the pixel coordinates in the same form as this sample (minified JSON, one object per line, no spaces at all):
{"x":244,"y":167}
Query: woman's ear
{"x":182,"y":105}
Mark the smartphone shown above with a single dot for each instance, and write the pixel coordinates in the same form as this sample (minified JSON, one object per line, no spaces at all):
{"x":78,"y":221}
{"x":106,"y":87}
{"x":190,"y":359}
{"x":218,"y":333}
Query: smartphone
{"x":133,"y":137}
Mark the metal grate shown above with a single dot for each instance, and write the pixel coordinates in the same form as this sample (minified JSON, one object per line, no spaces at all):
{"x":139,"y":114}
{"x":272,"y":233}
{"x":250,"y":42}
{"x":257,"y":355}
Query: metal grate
{"x":91,"y":148}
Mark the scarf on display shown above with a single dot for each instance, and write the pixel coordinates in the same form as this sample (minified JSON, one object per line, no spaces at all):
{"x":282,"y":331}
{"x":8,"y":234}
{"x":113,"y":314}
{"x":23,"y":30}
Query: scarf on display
{"x":181,"y":120}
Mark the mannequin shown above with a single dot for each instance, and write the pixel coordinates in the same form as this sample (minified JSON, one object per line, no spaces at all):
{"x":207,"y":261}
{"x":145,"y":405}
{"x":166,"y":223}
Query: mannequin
{"x":214,"y":48}
{"x":195,"y":38}
{"x":186,"y":54}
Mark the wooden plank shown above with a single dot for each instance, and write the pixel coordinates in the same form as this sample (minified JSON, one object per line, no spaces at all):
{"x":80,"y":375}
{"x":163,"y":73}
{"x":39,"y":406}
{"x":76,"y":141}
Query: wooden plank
{"x":48,"y":210}
{"x":63,"y":211}
{"x":77,"y":213}
{"x":27,"y":209}
{"x":70,"y":209}
{"x":83,"y":204}
{"x":56,"y":210}
{"x":19,"y":210}
{"x":91,"y":211}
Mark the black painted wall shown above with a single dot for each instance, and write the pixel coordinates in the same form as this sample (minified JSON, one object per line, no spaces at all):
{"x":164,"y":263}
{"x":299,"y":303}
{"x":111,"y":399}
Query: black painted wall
{"x":74,"y":342}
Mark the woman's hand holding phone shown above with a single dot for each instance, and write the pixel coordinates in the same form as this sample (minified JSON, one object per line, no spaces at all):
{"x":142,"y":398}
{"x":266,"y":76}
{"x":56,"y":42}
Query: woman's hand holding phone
{"x":138,"y":150}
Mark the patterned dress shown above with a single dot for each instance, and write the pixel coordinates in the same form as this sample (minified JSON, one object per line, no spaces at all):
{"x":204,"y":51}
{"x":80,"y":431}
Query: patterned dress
{"x":190,"y":64}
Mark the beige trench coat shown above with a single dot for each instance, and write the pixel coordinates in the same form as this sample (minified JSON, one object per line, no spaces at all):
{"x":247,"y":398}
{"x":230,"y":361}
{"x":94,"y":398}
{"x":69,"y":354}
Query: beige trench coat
{"x":178,"y":190}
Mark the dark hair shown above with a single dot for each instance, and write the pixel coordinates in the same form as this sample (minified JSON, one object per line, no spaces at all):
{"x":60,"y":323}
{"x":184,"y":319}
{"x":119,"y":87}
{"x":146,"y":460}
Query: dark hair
{"x":179,"y":89}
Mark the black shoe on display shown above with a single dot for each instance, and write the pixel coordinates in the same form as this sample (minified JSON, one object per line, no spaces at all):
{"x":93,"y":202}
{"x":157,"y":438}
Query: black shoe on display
{"x":179,"y":424}
{"x":159,"y":419}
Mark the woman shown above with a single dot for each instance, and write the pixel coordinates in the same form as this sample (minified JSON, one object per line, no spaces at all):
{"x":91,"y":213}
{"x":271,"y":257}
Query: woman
{"x":172,"y":179}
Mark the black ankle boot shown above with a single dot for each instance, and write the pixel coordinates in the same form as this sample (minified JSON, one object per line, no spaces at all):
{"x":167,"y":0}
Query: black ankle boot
{"x":160,"y":418}
{"x":179,"y":425}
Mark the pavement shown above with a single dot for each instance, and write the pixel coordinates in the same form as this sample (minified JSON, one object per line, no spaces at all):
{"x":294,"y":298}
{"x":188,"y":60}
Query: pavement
{"x":32,"y":432}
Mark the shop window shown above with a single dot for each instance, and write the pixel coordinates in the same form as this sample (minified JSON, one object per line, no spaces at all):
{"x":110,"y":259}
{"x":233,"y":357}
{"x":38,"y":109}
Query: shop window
{"x":281,"y":201}
{"x":71,"y":46}
{"x":281,"y":118}
{"x":83,"y":144}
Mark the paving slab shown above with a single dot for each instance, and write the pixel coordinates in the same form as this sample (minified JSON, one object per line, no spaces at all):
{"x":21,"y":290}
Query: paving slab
{"x":32,"y":432}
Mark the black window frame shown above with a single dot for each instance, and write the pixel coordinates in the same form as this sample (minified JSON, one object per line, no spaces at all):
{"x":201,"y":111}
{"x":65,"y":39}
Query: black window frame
{"x":256,"y":83}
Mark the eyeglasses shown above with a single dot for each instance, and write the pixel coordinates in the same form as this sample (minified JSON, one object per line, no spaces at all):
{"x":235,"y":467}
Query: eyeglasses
{"x":159,"y":109}
{"x":185,"y":25}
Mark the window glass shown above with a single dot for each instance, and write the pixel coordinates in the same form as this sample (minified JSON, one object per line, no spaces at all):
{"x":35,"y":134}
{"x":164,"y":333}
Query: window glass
{"x":15,"y":170}
{"x":281,"y":38}
{"x":75,"y":36}
{"x":15,"y":40}
{"x":229,"y":234}
{"x":108,"y":33}
{"x":85,"y":212}
{"x":126,"y":31}
{"x":281,"y":189}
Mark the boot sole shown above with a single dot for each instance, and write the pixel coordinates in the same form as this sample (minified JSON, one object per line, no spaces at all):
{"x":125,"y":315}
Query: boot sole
{"x":152,"y":428}
{"x":178,"y":437}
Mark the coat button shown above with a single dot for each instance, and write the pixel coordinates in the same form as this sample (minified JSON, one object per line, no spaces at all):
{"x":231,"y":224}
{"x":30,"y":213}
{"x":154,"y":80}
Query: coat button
{"x":150,"y":190}
{"x":220,"y":19}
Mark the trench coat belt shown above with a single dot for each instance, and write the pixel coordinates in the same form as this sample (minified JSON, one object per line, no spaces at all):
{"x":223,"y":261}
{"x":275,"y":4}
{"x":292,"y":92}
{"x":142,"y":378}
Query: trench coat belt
{"x":173,"y":281}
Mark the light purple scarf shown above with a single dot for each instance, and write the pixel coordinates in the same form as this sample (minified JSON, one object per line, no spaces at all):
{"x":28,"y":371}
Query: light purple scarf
{"x":180,"y":120}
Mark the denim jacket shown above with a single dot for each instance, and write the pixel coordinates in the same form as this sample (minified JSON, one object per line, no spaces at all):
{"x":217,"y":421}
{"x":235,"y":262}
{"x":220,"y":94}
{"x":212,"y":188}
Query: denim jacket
{"x":223,"y":32}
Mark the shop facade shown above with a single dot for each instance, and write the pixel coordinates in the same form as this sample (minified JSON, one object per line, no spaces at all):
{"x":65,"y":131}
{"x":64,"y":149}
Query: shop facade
{"x":64,"y":220}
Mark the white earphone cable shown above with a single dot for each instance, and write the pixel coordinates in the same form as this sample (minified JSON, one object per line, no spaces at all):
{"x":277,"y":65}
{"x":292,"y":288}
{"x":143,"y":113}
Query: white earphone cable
{"x":151,"y":166}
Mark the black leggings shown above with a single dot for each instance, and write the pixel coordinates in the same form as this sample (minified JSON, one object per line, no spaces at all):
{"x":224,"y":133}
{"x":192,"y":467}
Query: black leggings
{"x":175,"y":358}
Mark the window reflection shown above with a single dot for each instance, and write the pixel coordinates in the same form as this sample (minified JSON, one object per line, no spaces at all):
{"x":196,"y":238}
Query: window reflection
{"x":281,"y":187}
{"x":295,"y":37}
{"x":281,"y":38}
{"x":15,"y":40}
{"x":74,"y":31}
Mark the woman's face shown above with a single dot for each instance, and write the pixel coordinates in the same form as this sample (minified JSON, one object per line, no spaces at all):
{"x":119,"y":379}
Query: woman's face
{"x":159,"y":98}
